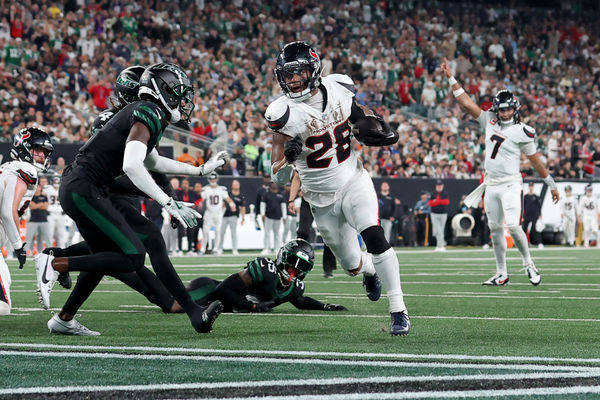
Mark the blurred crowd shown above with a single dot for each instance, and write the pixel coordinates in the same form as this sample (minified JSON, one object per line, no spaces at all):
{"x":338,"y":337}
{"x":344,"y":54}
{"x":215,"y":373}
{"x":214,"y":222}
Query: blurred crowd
{"x":59,"y":62}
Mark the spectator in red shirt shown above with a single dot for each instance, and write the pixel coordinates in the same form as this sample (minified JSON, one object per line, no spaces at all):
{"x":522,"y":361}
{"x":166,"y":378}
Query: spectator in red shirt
{"x":439,"y":214}
{"x":100,"y":93}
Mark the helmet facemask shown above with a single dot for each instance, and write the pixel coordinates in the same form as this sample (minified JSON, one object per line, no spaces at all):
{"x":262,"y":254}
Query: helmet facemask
{"x":171,"y":86}
{"x":505,"y":100}
{"x":26,"y":141}
{"x":294,"y":260}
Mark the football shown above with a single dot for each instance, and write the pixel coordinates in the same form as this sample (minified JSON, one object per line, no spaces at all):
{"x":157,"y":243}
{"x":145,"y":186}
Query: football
{"x":364,"y":126}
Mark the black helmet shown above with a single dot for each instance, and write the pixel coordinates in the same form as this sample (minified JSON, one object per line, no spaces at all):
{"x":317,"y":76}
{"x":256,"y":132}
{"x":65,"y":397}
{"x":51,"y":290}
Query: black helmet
{"x":169,"y":86}
{"x":295,"y":259}
{"x":28,"y":139}
{"x":295,"y":58}
{"x":128,"y":84}
{"x":505,"y":99}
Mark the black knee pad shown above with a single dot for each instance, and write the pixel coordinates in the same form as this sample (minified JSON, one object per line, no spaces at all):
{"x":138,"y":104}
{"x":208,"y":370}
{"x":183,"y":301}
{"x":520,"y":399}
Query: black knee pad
{"x":375,"y":240}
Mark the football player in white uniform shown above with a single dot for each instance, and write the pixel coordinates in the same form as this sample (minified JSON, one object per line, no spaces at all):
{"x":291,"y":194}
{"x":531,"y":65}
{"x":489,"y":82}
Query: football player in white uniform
{"x":506,"y":137}
{"x":213,"y":197}
{"x":312,"y":133}
{"x":588,"y":215}
{"x":56,"y":217}
{"x":18,"y":180}
{"x":568,"y":213}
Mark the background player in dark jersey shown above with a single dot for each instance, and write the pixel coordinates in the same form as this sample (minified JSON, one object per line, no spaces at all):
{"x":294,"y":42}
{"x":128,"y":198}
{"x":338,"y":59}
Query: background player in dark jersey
{"x":126,"y":144}
{"x":265,"y":283}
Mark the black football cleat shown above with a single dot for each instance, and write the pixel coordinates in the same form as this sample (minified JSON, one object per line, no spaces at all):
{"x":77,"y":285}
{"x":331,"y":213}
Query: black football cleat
{"x":203,"y":323}
{"x":372,"y":285}
{"x":400,"y":323}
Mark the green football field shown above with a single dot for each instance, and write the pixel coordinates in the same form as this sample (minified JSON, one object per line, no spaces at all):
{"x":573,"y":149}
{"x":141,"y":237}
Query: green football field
{"x":467,"y":340}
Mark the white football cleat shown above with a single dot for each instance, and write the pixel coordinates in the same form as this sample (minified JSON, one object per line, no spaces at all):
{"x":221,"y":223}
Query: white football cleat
{"x":532,"y":272}
{"x":46,"y":278}
{"x":497,"y":280}
{"x":235,"y":253}
{"x":72,"y":327}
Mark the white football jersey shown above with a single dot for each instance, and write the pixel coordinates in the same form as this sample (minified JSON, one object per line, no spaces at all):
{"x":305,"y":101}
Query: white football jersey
{"x":588,"y":207}
{"x":327,"y":161}
{"x":53,"y":202}
{"x":568,"y":207}
{"x":9,"y":172}
{"x":503,"y":146}
{"x":213,"y":198}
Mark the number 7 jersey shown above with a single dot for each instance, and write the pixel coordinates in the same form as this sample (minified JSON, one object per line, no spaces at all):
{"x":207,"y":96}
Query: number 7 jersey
{"x":327,"y":161}
{"x":503,"y":146}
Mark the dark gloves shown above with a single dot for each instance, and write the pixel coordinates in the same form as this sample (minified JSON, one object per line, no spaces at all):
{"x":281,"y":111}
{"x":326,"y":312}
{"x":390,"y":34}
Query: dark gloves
{"x":292,"y":149}
{"x":334,"y":307}
{"x":21,"y":255}
{"x":262,"y":306}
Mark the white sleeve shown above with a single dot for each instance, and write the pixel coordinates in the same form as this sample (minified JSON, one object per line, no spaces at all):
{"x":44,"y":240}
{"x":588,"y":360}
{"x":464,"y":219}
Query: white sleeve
{"x":263,"y":208}
{"x":158,"y":163}
{"x":528,"y":148}
{"x":483,"y":119}
{"x":6,"y":212}
{"x":133,"y":166}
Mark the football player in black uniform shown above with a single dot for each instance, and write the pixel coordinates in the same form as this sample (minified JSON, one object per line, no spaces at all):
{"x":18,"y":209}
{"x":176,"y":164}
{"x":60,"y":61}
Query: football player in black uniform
{"x":265,"y":283}
{"x":125,"y":144}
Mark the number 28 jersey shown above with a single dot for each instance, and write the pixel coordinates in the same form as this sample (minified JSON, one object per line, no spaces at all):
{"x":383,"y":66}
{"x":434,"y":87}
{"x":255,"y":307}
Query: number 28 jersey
{"x":327,"y":161}
{"x":503,"y":146}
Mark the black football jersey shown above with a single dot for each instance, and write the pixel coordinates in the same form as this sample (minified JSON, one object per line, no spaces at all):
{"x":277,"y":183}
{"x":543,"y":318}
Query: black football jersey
{"x":102,"y":119}
{"x":265,"y":283}
{"x":100,"y":160}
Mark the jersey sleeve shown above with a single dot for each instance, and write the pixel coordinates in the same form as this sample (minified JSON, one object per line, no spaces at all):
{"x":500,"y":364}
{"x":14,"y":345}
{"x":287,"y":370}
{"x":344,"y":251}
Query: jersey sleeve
{"x":101,"y":120}
{"x":277,"y":115}
{"x":344,"y":81}
{"x":484,"y":118}
{"x":527,"y":140}
{"x":27,"y":172}
{"x":153,"y":117}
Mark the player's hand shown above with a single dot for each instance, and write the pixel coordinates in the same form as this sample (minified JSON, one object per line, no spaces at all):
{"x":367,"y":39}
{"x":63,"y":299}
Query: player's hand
{"x":292,"y":149}
{"x":291,"y":208}
{"x":21,"y":255}
{"x":555,"y":195}
{"x":445,"y":67}
{"x":334,"y":307}
{"x":214,"y":162}
{"x":186,"y":215}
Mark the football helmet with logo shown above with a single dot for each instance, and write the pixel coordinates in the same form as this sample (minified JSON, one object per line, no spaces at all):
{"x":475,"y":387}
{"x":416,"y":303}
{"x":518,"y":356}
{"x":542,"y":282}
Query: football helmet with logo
{"x":128,"y":84}
{"x":503,"y":100}
{"x":169,"y":86}
{"x":295,"y":259}
{"x":29,"y":139}
{"x":301,"y":60}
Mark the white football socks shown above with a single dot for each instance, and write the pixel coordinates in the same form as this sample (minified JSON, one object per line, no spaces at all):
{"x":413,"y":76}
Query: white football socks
{"x":521,"y":243}
{"x":499,"y":242}
{"x":388,"y":269}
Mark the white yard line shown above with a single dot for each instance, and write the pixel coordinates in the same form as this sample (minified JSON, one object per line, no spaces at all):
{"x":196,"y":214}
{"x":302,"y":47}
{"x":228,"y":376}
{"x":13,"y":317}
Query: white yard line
{"x":400,"y":356}
{"x":343,"y":381}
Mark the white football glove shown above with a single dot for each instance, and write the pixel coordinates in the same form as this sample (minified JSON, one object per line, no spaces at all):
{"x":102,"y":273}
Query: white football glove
{"x":214,"y":162}
{"x":186,"y":215}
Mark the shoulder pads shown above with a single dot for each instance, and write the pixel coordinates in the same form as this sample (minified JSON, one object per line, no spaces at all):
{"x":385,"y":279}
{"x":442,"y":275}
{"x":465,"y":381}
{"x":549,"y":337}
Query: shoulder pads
{"x":277,"y":114}
{"x":343,"y":80}
{"x":529,"y":131}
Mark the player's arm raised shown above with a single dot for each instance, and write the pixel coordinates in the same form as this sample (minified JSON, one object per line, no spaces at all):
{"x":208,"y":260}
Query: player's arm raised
{"x":538,"y":165}
{"x":459,"y":93}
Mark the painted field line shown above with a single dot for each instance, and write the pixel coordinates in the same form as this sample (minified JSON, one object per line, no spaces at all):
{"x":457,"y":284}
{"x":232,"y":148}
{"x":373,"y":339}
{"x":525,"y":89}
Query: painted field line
{"x":305,"y":382}
{"x":505,"y":297}
{"x":463,"y":394}
{"x":403,"y":356}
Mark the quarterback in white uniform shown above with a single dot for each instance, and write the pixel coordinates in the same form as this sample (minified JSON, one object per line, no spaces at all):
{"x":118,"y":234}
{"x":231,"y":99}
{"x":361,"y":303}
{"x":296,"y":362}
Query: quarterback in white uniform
{"x":312,"y":132}
{"x":568,"y":213}
{"x":588,"y":213}
{"x":18,"y":180}
{"x":213,"y":198}
{"x":56,"y":217}
{"x":505,"y":139}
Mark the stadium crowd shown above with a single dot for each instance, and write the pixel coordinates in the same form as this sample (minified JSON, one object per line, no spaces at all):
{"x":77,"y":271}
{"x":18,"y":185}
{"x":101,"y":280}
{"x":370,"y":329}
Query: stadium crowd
{"x":59,"y":62}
